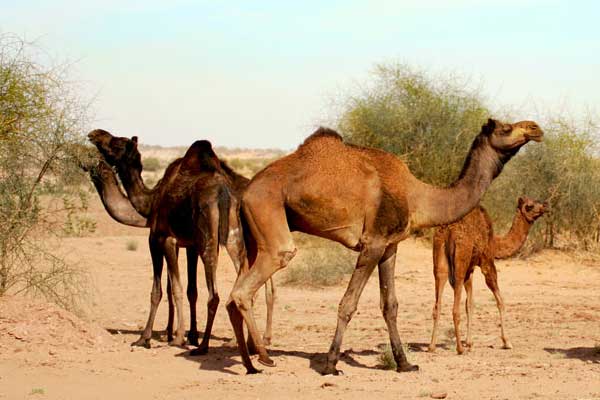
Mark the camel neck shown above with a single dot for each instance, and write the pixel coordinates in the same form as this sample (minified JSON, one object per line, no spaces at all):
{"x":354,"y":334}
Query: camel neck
{"x":508,"y":245}
{"x":438,"y":206}
{"x":139,"y":195}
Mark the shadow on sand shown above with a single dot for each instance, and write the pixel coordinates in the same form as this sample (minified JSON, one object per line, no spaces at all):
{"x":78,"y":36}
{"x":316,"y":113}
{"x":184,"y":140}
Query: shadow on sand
{"x":579,"y":353}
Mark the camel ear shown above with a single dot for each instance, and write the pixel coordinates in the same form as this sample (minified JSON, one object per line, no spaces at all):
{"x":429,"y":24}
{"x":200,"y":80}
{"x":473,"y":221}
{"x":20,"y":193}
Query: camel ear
{"x":489,"y":127}
{"x":520,"y":203}
{"x":134,"y":139}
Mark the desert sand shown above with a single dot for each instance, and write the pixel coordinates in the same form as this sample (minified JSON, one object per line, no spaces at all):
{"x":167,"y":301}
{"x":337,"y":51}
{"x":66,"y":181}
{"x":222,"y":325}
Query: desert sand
{"x":553,"y":321}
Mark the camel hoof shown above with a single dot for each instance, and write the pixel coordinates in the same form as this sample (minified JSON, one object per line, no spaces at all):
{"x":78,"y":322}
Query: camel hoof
{"x":178,"y":342}
{"x":252,"y":370}
{"x":332,"y":371}
{"x":431,"y":349}
{"x":469,"y":345}
{"x":142,"y":342}
{"x":408,"y":367}
{"x":199,"y":351}
{"x":266,"y":341}
{"x":192,"y":338}
{"x":267,"y":362}
{"x":507,"y":346}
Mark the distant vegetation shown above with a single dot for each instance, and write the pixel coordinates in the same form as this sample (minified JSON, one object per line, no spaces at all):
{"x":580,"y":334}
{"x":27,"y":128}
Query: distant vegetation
{"x":430,"y":122}
{"x":151,"y":164}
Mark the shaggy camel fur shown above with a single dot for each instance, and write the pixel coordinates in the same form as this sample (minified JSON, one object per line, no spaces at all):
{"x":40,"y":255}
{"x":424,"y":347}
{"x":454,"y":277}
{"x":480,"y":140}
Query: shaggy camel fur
{"x":459,"y":247}
{"x":194,"y":206}
{"x":365,"y":199}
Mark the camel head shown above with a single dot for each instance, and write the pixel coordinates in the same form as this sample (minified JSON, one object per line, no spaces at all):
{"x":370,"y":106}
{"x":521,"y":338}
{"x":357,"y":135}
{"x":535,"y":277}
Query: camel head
{"x":119,"y":152}
{"x":508,"y":138}
{"x":531,"y":209}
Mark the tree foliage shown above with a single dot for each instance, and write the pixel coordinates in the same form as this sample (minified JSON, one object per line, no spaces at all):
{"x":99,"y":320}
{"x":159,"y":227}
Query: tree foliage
{"x":41,"y":120}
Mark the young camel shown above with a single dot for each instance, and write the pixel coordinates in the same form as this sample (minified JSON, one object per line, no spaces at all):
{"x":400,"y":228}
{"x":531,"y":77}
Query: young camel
{"x":365,"y":199}
{"x":459,"y":247}
{"x":194,"y":206}
{"x":119,"y":207}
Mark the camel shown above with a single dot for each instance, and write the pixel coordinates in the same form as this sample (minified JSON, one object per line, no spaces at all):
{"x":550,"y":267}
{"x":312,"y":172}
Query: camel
{"x":367,"y":200}
{"x":194,"y":206}
{"x":462,"y":245}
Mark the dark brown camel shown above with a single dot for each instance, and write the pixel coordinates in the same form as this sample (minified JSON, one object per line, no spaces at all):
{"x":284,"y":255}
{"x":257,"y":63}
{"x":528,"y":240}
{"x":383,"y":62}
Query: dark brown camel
{"x":365,"y":199}
{"x":194,"y":206}
{"x":119,"y":207}
{"x":462,"y":245}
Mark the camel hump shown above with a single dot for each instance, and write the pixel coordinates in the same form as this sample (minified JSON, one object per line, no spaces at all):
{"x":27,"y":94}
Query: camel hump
{"x":201,"y":156}
{"x":322,"y":133}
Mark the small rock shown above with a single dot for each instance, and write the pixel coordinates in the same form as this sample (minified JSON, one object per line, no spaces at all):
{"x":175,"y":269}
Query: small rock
{"x":438,"y":395}
{"x":327,"y":384}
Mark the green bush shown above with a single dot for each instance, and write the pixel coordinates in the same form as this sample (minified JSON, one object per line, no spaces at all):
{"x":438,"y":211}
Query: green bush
{"x":41,"y":148}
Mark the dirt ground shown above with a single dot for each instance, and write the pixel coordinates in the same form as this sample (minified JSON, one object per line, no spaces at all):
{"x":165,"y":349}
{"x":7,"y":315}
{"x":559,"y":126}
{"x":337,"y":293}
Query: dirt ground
{"x":553,"y":321}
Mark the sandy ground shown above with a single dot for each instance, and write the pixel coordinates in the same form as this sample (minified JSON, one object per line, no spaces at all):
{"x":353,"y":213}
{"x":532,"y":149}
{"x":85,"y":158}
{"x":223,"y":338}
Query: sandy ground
{"x":553,"y":321}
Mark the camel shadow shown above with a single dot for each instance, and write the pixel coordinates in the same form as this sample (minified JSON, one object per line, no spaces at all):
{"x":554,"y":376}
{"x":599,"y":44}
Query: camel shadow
{"x":159,"y":336}
{"x":221,"y":358}
{"x":579,"y":353}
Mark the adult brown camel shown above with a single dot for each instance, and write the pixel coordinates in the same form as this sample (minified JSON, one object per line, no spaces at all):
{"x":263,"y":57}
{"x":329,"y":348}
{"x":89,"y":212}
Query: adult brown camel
{"x":462,"y":245}
{"x":365,"y":199}
{"x":119,"y":207}
{"x":193,"y":206}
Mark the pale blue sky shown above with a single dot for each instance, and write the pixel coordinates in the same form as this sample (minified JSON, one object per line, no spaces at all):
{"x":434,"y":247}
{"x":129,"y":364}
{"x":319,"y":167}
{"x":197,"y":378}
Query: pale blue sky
{"x":261,"y":74}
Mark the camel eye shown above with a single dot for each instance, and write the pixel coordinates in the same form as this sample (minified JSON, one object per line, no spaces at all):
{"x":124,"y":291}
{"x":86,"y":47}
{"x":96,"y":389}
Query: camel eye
{"x":506,"y":129}
{"x":528,"y":208}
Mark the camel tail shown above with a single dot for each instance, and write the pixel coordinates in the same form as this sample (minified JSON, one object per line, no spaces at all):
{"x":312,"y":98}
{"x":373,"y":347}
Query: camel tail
{"x":249,"y":240}
{"x":224,"y":204}
{"x":450,"y":253}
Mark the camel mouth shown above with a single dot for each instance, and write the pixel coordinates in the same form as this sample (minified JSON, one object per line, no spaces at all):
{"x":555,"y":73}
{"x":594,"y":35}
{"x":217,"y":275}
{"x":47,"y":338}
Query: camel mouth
{"x":536,"y":137}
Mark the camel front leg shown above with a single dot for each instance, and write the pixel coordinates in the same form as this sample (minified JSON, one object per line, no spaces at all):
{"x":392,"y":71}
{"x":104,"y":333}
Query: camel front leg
{"x":491,"y":280}
{"x":170,"y":249}
{"x":192,"y":293}
{"x":156,"y":253}
{"x":171,"y":316}
{"x":367,"y":260}
{"x":389,"y":307}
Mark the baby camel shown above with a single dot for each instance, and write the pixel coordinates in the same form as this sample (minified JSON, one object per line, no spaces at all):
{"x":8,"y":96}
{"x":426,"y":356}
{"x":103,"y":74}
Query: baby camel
{"x":459,"y":247}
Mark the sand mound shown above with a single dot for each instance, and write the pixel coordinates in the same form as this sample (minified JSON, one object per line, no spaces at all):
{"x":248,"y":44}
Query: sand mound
{"x":32,"y":325}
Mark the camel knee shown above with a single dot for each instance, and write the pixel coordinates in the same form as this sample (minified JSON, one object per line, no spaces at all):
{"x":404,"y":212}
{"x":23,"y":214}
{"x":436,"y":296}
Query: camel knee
{"x":213,"y":302}
{"x":346,"y":312}
{"x":241,"y":300}
{"x":390,"y":308}
{"x":285,"y":256}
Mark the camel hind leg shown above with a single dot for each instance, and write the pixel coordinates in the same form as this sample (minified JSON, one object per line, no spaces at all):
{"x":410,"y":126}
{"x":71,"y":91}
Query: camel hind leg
{"x":440,"y":274}
{"x":170,"y":249}
{"x":192,"y":293}
{"x":491,"y":280}
{"x":275,"y":250}
{"x":469,"y":309}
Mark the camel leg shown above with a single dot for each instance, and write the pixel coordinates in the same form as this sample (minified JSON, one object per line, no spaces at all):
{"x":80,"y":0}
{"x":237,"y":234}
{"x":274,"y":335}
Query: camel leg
{"x":192,"y":292}
{"x":156,"y":252}
{"x":440,"y":273}
{"x":469,"y":309}
{"x":170,"y":249}
{"x":367,"y":259}
{"x":270,"y":300}
{"x":171,"y":310}
{"x":491,"y":279}
{"x":389,"y":307}
{"x":210,"y":257}
{"x":458,"y":286}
